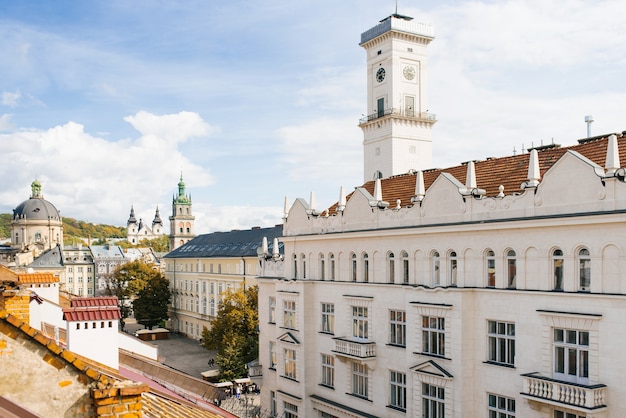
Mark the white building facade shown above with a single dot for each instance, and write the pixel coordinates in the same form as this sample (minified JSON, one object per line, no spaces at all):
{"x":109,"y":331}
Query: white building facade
{"x":494,"y":288}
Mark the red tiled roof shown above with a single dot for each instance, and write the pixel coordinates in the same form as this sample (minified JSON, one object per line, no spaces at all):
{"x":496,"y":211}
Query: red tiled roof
{"x":30,"y":278}
{"x":95,"y":301}
{"x":510,"y":172}
{"x":101,"y":313}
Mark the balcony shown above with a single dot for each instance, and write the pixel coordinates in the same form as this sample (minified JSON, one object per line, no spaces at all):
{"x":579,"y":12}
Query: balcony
{"x":579,"y":397}
{"x":255,"y":370}
{"x":355,"y":349}
{"x":406,"y":113}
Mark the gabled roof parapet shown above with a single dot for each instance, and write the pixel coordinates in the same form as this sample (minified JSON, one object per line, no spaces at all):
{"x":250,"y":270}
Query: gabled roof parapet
{"x":534,"y":175}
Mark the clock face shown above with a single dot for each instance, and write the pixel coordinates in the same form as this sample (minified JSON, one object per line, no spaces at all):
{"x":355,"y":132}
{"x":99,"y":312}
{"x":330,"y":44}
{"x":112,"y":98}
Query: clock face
{"x":380,"y":75}
{"x":408,"y":72}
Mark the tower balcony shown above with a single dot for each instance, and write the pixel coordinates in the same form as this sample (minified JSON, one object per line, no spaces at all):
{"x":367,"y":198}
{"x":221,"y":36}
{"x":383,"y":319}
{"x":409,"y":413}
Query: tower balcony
{"x":583,"y":398}
{"x":404,"y":113}
{"x":355,"y":349}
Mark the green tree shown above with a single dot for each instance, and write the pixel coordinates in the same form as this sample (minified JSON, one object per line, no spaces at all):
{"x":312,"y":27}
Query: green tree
{"x":127,"y":281}
{"x":151,"y":304}
{"x":160,"y":244}
{"x":234,"y":332}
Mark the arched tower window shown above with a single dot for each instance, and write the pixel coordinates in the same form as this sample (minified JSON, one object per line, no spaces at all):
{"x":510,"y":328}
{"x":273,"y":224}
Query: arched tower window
{"x":557,"y":268}
{"x":391,"y":268}
{"x":405,"y":267}
{"x":353,"y":267}
{"x":436,"y":268}
{"x":331,"y":259}
{"x":511,"y":269}
{"x":490,"y":268}
{"x":584,"y":269}
{"x":322,"y":267}
{"x":366,"y":268}
{"x":452,"y":268}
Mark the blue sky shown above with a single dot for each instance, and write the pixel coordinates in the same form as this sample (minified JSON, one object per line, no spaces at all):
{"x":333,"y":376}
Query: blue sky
{"x":105,"y":102}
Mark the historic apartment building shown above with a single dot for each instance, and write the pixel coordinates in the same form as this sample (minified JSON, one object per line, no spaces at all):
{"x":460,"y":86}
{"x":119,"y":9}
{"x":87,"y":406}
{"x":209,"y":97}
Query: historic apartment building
{"x":201,"y":270}
{"x":494,"y":288}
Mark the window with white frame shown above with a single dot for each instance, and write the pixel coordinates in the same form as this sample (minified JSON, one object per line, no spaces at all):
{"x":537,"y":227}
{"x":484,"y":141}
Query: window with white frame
{"x":391,"y":268}
{"x":322,"y":275}
{"x":501,"y":342}
{"x":328,"y":318}
{"x":584,"y":269}
{"x":433,"y":335}
{"x":557,"y":269}
{"x":490,"y":268}
{"x":290,"y":410}
{"x":272,"y":355}
{"x":360,"y":322}
{"x":563,"y":414}
{"x":290,"y":363}
{"x":366,"y":268}
{"x":452,"y":268}
{"x":571,"y":355}
{"x":360,"y":380}
{"x":436,"y":269}
{"x":397,"y":390}
{"x":272,"y":310}
{"x":405,"y":267}
{"x":433,"y":401}
{"x":273,"y":404}
{"x":295,"y":266}
{"x":511,"y":269}
{"x":331,"y":258}
{"x":328,"y":370}
{"x":289,"y":314}
{"x":353,"y":272}
{"x":500,"y":406}
{"x":212,"y":307}
{"x":397,"y":328}
{"x":303,"y":257}
{"x":204,"y":306}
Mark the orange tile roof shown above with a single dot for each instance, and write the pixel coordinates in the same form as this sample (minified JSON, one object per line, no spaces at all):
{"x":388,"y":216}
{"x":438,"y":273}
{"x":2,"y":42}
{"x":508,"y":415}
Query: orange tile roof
{"x":510,"y":172}
{"x":98,"y":313}
{"x":95,"y":301}
{"x":30,"y":278}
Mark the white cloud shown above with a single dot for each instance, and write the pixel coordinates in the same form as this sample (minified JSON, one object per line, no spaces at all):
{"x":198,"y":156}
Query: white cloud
{"x":11,"y":99}
{"x":212,"y":218}
{"x":5,"y":122}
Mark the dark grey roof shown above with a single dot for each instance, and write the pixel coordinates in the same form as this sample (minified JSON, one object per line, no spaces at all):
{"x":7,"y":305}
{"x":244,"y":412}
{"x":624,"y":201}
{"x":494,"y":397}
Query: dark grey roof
{"x":36,"y":208}
{"x":51,"y":258}
{"x":229,"y":244}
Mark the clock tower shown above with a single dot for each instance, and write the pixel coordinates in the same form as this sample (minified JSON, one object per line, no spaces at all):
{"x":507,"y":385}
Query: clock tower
{"x":182,"y":220}
{"x":397,"y":129}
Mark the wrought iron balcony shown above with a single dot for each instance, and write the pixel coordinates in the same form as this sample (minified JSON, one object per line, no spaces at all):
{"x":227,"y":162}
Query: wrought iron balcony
{"x":355,"y":349}
{"x":407,"y":113}
{"x":556,"y":392}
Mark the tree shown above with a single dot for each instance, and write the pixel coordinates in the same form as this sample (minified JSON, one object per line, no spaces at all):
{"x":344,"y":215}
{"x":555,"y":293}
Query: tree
{"x":234,"y":332}
{"x":151,"y":304}
{"x":128,"y":279}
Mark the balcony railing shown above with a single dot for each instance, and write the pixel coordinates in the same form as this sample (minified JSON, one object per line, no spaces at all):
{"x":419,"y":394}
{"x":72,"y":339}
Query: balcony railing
{"x":407,"y":113}
{"x":255,"y":370}
{"x":557,"y":392}
{"x":355,"y":349}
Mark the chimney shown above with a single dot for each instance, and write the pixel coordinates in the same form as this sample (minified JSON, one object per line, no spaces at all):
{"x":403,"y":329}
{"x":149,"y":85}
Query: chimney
{"x":17,"y":303}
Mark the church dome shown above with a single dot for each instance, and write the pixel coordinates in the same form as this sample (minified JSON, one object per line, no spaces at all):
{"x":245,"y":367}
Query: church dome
{"x":36,"y":208}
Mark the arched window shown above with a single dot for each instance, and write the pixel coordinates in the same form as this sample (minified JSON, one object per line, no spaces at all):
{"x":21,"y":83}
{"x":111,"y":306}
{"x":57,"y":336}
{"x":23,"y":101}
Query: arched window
{"x":490,"y":267}
{"x":511,"y":269}
{"x":436,"y":269}
{"x":303,"y":265}
{"x":37,"y":236}
{"x":557,"y":269}
{"x":391,"y":268}
{"x":295,"y":266}
{"x":322,"y":275}
{"x":584,"y":269}
{"x":331,"y":258}
{"x":452,"y":268}
{"x":366,"y":268}
{"x":353,"y":267}
{"x":405,"y":267}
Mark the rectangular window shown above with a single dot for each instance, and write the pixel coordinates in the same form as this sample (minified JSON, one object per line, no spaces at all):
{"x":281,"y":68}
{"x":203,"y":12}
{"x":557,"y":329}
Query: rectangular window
{"x":397,"y":390}
{"x":328,"y":370}
{"x":501,"y":407}
{"x":433,"y":401}
{"x":289,"y":314}
{"x":397,"y":328}
{"x":291,"y":410}
{"x":433,"y":335}
{"x":272,"y":404}
{"x":328,"y":318}
{"x":272,"y":310}
{"x":359,"y":380}
{"x":360,"y":322}
{"x":501,"y":336}
{"x":290,"y":363}
{"x":561,"y":414}
{"x":272,"y":355}
{"x":571,"y":355}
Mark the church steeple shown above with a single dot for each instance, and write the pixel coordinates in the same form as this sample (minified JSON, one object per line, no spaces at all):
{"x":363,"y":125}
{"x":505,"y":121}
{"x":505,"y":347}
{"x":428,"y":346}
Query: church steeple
{"x":131,"y":218}
{"x":397,"y":128}
{"x":182,"y":219}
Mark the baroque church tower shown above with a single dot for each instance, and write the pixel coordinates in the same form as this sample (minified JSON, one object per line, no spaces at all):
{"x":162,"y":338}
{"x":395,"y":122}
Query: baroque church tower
{"x":397,"y":129}
{"x":138,"y":231}
{"x":181,"y":221}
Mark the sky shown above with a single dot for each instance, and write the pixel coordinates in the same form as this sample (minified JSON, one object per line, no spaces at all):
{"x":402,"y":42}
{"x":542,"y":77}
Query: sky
{"x":107,"y":102}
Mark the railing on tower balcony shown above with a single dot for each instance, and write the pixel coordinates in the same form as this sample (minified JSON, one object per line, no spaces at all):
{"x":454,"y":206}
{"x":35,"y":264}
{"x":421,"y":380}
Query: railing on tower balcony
{"x":355,"y":349}
{"x":557,"y":392}
{"x":407,"y":113}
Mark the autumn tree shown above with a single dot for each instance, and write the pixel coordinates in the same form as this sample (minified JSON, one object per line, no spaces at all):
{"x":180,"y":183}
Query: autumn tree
{"x":151,"y":304}
{"x":127,"y":281}
{"x":234,"y":332}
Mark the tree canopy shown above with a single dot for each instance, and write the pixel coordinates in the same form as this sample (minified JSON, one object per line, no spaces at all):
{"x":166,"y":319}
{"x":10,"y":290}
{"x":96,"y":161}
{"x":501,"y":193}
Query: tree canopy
{"x":151,"y":304}
{"x":234,"y":332}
